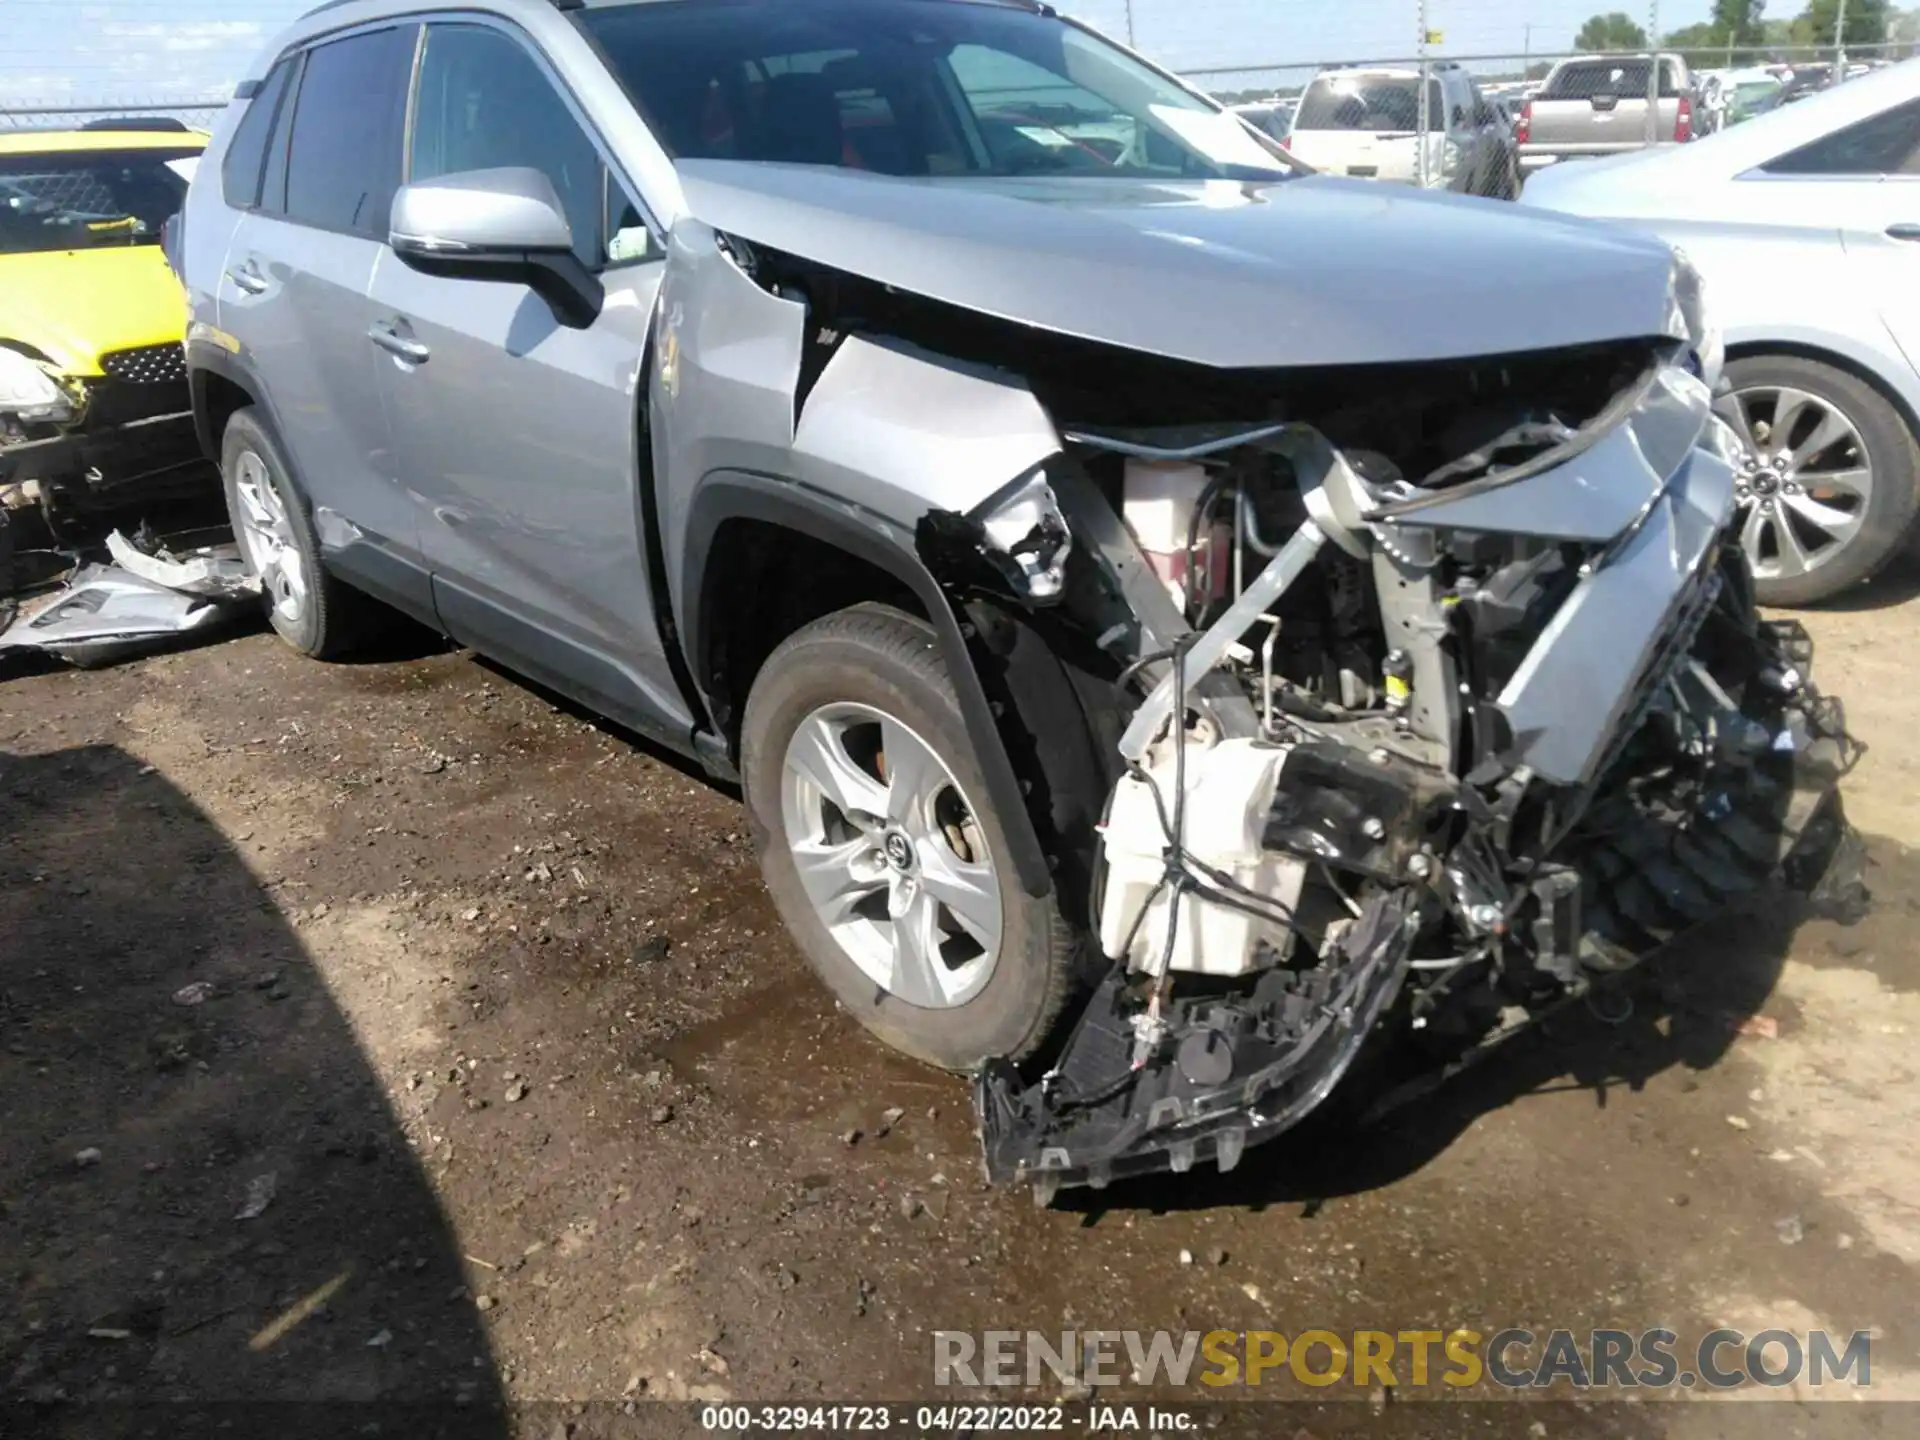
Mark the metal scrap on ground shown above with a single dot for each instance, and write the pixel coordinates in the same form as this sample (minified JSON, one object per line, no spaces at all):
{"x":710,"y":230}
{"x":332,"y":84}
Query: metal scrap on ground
{"x":142,"y":602}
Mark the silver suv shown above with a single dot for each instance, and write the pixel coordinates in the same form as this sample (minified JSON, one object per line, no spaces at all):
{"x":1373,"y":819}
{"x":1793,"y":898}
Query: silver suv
{"x":1168,"y":613}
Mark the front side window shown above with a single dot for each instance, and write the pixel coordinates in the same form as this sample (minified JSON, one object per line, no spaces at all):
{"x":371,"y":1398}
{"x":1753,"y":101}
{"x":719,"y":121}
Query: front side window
{"x":89,"y":200}
{"x":1883,"y":144}
{"x":1384,"y":104}
{"x":915,"y":88}
{"x":485,"y":104}
{"x":343,"y":159}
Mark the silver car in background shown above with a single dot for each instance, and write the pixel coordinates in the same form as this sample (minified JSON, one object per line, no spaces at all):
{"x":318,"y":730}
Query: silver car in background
{"x":1805,"y":222}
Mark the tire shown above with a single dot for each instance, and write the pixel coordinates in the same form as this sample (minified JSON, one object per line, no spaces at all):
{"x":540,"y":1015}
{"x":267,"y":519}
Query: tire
{"x":849,"y":676}
{"x":329,"y":617}
{"x":1884,"y":518}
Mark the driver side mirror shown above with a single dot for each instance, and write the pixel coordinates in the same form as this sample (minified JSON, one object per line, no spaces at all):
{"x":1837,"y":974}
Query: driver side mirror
{"x":505,"y":226}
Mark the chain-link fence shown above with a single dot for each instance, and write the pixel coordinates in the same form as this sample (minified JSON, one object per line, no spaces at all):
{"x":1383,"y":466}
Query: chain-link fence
{"x":197,"y":113}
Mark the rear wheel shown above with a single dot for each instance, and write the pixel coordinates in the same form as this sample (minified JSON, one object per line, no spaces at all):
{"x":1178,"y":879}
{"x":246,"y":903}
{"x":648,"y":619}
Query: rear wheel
{"x":1827,"y":484}
{"x":882,"y":852}
{"x":307,"y":607}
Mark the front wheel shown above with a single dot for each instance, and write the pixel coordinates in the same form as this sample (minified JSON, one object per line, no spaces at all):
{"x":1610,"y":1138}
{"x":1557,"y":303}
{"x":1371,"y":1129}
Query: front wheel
{"x":882,"y":853}
{"x":1827,"y":483}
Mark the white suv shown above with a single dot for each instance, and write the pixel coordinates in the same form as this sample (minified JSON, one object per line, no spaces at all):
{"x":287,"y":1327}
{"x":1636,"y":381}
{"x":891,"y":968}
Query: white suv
{"x":1367,"y":122}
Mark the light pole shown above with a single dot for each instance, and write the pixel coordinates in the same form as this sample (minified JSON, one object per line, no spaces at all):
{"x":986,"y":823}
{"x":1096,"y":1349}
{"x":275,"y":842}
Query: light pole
{"x":1425,"y":118}
{"x":1840,"y":42}
{"x":1653,"y":72}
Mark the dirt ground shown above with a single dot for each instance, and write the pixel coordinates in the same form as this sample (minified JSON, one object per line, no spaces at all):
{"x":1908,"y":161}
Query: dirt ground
{"x":388,"y":1032}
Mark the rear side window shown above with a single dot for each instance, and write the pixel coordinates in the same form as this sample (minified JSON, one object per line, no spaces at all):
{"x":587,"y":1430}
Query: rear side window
{"x":343,"y":161}
{"x":485,"y":103}
{"x":1883,"y":144}
{"x":247,"y":155}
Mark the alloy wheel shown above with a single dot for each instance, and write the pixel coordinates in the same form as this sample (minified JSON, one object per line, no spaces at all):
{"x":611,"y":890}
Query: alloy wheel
{"x":889,"y":852}
{"x":1804,"y":479}
{"x":267,"y":538}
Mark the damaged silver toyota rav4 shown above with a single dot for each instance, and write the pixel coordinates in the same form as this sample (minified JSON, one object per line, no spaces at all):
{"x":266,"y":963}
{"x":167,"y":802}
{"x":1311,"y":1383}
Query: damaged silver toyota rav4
{"x":1174,"y":617}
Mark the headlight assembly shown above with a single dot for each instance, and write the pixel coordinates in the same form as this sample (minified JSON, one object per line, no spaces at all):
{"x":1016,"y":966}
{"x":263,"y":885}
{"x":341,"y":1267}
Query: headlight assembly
{"x":28,"y":391}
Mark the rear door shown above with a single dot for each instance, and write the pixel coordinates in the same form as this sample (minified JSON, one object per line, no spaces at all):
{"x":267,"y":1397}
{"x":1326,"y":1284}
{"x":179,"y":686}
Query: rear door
{"x":522,"y":436}
{"x":294,"y":293}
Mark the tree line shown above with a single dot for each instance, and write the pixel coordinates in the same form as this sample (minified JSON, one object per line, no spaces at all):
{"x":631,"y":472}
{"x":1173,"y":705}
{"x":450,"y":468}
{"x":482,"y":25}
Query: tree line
{"x":1740,"y":25}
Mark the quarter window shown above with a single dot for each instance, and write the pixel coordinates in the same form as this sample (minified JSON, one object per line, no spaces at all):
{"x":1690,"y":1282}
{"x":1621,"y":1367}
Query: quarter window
{"x":485,"y":103}
{"x":343,"y":161}
{"x":246,"y":156}
{"x":1883,"y":144}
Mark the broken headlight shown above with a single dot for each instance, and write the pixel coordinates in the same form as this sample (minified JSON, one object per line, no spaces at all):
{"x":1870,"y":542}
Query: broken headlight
{"x":1028,"y":529}
{"x":28,"y":391}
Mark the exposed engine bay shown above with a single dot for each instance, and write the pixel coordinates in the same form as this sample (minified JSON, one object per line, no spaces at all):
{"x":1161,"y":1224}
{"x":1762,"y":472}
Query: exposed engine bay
{"x":1430,"y":737}
{"x":1439,"y":689}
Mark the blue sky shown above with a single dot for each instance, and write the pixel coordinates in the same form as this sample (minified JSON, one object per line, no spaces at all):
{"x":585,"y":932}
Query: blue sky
{"x":80,"y":51}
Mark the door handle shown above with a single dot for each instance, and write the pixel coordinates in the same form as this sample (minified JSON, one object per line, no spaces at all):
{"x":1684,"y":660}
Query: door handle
{"x":249,"y":279}
{"x":394,"y":343}
{"x":1908,"y":231}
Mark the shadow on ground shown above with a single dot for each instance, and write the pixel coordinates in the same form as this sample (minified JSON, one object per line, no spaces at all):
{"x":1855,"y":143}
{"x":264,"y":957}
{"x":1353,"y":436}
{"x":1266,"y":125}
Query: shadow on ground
{"x":173,"y":1062}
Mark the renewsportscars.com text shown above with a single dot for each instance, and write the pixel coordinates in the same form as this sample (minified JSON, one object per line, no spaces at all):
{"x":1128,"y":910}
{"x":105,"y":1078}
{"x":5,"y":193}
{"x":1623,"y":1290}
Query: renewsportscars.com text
{"x":1512,"y":1359}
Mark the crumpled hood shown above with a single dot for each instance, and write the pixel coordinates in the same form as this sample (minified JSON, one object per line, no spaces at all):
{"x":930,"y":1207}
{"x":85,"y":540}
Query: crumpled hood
{"x":1309,"y":271}
{"x":74,"y":306}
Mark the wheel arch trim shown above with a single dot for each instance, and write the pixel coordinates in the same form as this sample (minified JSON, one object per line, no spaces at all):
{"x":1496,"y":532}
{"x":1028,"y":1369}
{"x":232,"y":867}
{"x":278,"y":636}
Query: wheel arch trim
{"x":738,"y":495}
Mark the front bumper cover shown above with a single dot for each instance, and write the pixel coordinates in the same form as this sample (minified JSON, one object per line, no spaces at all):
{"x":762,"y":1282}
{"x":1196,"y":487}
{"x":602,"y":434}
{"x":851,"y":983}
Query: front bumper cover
{"x":100,"y":462}
{"x":1240,"y":1070}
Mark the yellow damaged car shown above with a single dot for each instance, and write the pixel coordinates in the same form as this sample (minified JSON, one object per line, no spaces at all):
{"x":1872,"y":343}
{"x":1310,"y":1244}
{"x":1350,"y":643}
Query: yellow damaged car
{"x":94,"y":408}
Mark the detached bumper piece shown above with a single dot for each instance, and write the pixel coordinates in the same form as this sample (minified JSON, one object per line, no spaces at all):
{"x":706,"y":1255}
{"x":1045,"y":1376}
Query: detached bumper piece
{"x":1231,"y":1070}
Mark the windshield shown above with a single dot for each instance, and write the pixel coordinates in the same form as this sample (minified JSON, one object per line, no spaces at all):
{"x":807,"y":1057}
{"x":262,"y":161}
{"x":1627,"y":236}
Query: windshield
{"x":89,"y":199}
{"x":1368,"y":102}
{"x":912,"y":89}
